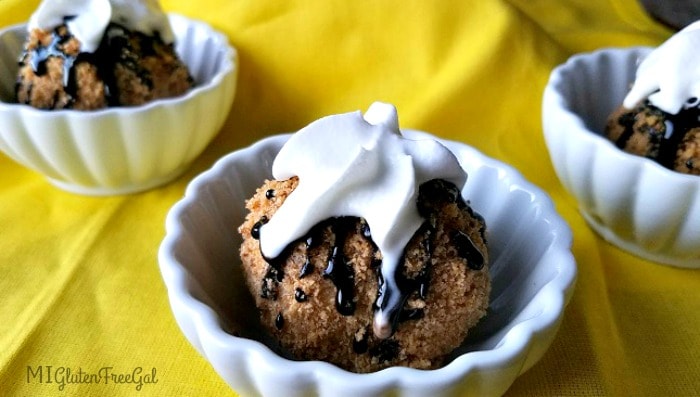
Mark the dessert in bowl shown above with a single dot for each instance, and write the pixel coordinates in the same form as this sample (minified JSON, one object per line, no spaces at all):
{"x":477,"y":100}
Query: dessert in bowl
{"x":216,"y":287}
{"x":362,"y":252}
{"x":640,"y":200}
{"x":101,"y":125}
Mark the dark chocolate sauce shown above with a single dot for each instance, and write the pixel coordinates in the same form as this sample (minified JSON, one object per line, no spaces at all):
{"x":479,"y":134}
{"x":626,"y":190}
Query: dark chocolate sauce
{"x":431,"y":197}
{"x":681,"y":124}
{"x":364,"y":228}
{"x":270,"y":282}
{"x":40,"y":55}
{"x":468,"y":250}
{"x":338,"y":270}
{"x":437,"y":191}
{"x":279,"y":321}
{"x":360,"y":346}
{"x":275,"y":274}
{"x":391,"y":297}
{"x":115,"y":48}
{"x":255,"y":230}
{"x":665,"y":140}
{"x":421,"y":282}
{"x":386,"y":350}
{"x":313,"y":239}
{"x":411,"y":314}
{"x":270,"y":194}
{"x":307,"y":268}
{"x":300,"y":295}
{"x":626,"y":121}
{"x":122,"y":52}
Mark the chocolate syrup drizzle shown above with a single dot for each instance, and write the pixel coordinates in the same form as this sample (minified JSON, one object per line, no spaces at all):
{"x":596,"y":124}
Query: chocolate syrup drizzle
{"x":300,"y":295}
{"x":39,"y":56}
{"x":665,"y":141}
{"x":467,"y":250}
{"x":360,"y":346}
{"x":115,"y":48}
{"x":386,"y":350}
{"x":430,"y":195}
{"x":387,"y":294}
{"x":339,"y":271}
{"x":123,"y":53}
{"x":255,"y":231}
{"x":279,"y":321}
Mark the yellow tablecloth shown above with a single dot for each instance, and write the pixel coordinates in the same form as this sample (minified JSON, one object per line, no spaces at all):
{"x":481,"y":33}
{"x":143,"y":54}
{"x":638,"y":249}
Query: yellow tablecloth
{"x":79,"y":281}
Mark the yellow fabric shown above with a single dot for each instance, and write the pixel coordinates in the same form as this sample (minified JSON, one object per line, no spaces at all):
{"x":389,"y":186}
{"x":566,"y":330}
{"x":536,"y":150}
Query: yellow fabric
{"x":80,"y":286}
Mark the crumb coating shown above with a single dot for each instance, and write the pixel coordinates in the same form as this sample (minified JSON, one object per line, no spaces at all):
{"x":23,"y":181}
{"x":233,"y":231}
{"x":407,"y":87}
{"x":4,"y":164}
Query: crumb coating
{"x":671,"y":140}
{"x":302,"y":309}
{"x":128,"y":69}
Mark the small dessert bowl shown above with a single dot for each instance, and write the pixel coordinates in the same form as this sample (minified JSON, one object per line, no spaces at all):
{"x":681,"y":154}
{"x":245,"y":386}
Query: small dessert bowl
{"x":121,"y":150}
{"x":532,"y":269}
{"x":631,"y":201}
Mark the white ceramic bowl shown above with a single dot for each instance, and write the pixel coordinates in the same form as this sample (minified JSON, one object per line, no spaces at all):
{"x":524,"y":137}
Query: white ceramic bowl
{"x":631,"y":201}
{"x":532,"y":269}
{"x":126,"y":149}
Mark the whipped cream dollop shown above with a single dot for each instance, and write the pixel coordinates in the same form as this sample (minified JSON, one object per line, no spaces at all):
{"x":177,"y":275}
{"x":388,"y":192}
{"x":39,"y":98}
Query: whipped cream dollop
{"x":87,"y":20}
{"x":350,"y":165}
{"x":670,"y":75}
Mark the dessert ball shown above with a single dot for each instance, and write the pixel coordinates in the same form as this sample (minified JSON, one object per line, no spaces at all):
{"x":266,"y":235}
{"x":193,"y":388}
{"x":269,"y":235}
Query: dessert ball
{"x":661,"y":110}
{"x":673,"y":140}
{"x":319,"y":297}
{"x":128,"y":68}
{"x":688,"y":153}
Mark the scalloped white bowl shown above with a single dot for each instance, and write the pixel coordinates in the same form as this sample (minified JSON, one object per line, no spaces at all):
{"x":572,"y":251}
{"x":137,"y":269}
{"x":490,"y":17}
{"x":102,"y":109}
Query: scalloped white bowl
{"x":632,"y":202}
{"x":533,"y":273}
{"x":121,"y":150}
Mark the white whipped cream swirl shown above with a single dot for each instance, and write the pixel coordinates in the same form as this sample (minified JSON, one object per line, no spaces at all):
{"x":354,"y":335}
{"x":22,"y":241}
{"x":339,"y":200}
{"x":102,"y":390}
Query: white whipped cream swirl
{"x":670,"y":75}
{"x":87,"y":20}
{"x":350,"y":165}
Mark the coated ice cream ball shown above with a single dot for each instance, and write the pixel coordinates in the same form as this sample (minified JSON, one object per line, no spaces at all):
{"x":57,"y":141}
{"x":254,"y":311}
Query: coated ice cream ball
{"x":318,"y":298}
{"x":688,"y":154}
{"x":128,"y":69}
{"x":672,"y":140}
